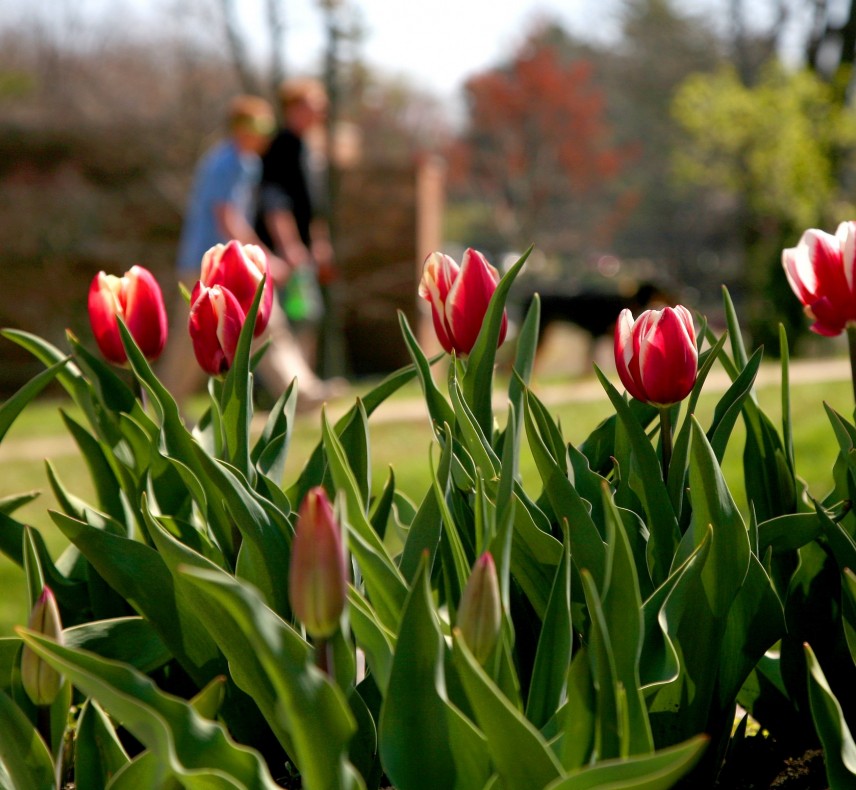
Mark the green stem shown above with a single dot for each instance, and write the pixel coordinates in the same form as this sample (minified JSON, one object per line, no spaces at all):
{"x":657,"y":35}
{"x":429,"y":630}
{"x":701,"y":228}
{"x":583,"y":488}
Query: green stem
{"x":666,"y":439}
{"x":324,"y":656}
{"x":851,"y":344}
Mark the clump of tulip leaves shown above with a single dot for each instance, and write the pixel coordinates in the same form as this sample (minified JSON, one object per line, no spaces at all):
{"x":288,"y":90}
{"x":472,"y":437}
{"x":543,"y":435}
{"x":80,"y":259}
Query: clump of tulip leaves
{"x":596,"y":627}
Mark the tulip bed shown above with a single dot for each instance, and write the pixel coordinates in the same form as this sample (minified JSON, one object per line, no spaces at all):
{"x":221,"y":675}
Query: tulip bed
{"x":616,"y":623}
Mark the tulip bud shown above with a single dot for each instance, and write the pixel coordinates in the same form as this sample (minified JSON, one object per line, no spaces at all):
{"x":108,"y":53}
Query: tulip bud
{"x":239,"y":268}
{"x":136,"y":298}
{"x":820,"y":270}
{"x":40,"y":680}
{"x":480,"y":610}
{"x":318,"y":578}
{"x":215,"y":325}
{"x":656,"y":355}
{"x":459,"y":298}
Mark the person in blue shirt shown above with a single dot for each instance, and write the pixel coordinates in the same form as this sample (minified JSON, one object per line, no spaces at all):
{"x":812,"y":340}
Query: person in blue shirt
{"x":222,"y":206}
{"x":223,"y":196}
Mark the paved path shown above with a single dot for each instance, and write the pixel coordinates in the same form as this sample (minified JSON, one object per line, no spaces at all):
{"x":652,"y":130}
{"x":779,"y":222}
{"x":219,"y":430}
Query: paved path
{"x":413,"y":409}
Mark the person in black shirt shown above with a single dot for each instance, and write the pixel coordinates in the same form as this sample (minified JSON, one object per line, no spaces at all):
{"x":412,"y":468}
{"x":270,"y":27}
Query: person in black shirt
{"x":293,"y":191}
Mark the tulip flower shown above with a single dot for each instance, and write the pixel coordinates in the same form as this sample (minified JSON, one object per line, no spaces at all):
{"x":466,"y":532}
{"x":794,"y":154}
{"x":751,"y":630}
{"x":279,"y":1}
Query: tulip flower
{"x":820,"y":270}
{"x":657,"y":361}
{"x":656,"y":355}
{"x":480,"y":610}
{"x":240,"y":268}
{"x":459,"y":297}
{"x":216,"y":318}
{"x":318,"y":578}
{"x":40,"y":680}
{"x":135,"y":298}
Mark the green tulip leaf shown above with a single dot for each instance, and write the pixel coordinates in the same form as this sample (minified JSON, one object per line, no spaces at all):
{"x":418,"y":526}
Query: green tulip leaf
{"x":553,"y":655}
{"x":478,"y":380}
{"x":384,"y":582}
{"x":756,"y":621}
{"x":313,"y":471}
{"x":24,"y":754}
{"x":372,"y":636}
{"x":622,"y":611}
{"x":131,"y":640}
{"x":680,"y":451}
{"x":312,"y":708}
{"x":787,"y":533}
{"x":657,"y":771}
{"x":577,"y":718}
{"x":147,"y":770}
{"x":71,"y":594}
{"x":13,"y":406}
{"x":236,"y":403}
{"x":271,"y":448}
{"x":848,"y":595}
{"x":535,"y":555}
{"x":839,"y":749}
{"x":713,"y":505}
{"x":165,"y":724}
{"x":68,"y":374}
{"x":413,"y":730}
{"x":646,"y":481}
{"x":524,"y":356}
{"x":427,"y":525}
{"x":102,"y":474}
{"x":731,"y":404}
{"x":520,"y":754}
{"x":9,"y":504}
{"x":140,"y":576}
{"x":380,"y":511}
{"x":587,"y":546}
{"x":439,"y":409}
{"x":98,"y":753}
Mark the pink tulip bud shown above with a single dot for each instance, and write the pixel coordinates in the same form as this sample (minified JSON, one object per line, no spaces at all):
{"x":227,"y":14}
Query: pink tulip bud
{"x":459,"y":297}
{"x":240,"y":268}
{"x":656,"y":355}
{"x":318,"y":578}
{"x":215,"y":324}
{"x":135,"y":298}
{"x":820,"y":270}
{"x":40,"y":680}
{"x":480,"y":610}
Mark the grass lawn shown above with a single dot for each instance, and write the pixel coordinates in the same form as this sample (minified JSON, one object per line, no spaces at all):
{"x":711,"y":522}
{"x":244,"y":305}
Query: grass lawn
{"x":401,"y":438}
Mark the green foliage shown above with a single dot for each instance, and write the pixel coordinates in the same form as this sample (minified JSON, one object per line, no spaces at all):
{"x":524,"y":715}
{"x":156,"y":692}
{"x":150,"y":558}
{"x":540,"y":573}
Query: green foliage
{"x":775,"y":143}
{"x":636,"y":611}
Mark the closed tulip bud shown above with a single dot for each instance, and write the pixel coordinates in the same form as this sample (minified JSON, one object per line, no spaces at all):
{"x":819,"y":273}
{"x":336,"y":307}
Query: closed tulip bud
{"x":40,"y":680}
{"x":135,"y":298}
{"x":215,"y":324}
{"x":239,"y":268}
{"x":459,"y":297}
{"x":656,"y":355}
{"x":318,"y":578}
{"x":820,"y":270}
{"x":480,"y":610}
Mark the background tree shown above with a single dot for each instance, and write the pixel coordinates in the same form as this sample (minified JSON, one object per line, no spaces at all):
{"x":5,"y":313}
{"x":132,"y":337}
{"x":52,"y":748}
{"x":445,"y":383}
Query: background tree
{"x":538,"y":148}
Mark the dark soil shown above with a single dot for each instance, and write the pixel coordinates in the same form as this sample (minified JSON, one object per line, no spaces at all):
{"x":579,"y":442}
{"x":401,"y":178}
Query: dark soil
{"x":763,"y":764}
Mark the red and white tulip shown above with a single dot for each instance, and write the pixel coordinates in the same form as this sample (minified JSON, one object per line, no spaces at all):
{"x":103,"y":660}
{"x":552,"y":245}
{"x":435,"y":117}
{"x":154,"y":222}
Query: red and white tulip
{"x":459,"y":298}
{"x":656,"y":355}
{"x":136,"y":298}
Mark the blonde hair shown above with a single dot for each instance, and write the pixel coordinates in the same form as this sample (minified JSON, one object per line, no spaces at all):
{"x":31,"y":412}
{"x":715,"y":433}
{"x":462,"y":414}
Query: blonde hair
{"x":303,"y":89}
{"x":250,"y":113}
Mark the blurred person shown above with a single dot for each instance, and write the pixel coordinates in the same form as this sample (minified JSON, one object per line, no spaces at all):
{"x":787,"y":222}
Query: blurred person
{"x":222,"y":206}
{"x":290,"y":220}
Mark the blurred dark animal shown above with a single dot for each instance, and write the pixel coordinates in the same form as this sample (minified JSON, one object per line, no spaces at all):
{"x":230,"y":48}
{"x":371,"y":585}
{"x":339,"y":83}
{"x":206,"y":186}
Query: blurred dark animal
{"x":593,"y":311}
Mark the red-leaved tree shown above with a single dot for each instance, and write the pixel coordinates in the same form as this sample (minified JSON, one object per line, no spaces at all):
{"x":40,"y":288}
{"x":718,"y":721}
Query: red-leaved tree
{"x":538,"y":148}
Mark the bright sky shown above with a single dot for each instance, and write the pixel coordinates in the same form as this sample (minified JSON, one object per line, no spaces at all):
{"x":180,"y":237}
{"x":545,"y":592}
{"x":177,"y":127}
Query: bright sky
{"x":439,"y":43}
